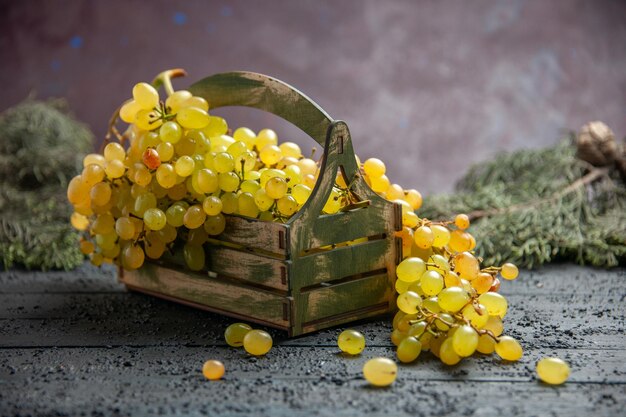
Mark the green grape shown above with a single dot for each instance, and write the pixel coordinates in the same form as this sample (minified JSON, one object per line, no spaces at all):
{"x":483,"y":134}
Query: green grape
{"x":462,"y":221}
{"x":92,"y":174}
{"x":154,"y":247}
{"x":196,"y":101}
{"x":495,"y":303}
{"x":257,"y":342}
{"x":100,"y":194}
{"x":424,"y":237}
{"x":494,"y":324}
{"x":476,"y":314}
{"x":78,"y":190}
{"x":104,"y":223}
{"x":293,"y":175}
{"x":447,"y":353}
{"x":217,"y":126}
{"x":409,"y":302}
{"x":221,"y":141}
{"x":229,"y":203}
{"x":431,"y":282}
{"x":148,"y":120}
{"x":79,"y":222}
{"x":379,"y":184}
{"x":186,"y":146}
{"x":175,"y":101}
{"x":166,"y":176}
{"x":290,"y":149}
{"x":553,"y":371}
{"x":114,"y":169}
{"x":509,"y":271}
{"x":203,"y":144}
{"x":248,"y":159}
{"x":194,"y":256}
{"x":453,"y":299}
{"x":451,"y":279}
{"x":270,"y":155}
{"x":144,"y":202}
{"x":249,"y":186}
{"x":351,"y":342}
{"x":460,"y":241}
{"x":301,"y":193}
{"x":441,"y":235}
{"x":170,"y":132}
{"x":237,"y":148}
{"x":206,"y":181}
{"x":175,"y":215}
{"x":333,"y":205}
{"x":374,"y":168}
{"x":482,"y":283}
{"x":380,"y":372}
{"x":114,"y":151}
{"x":486,"y":344}
{"x":212,"y":205}
{"x":192,"y":118}
{"x":404,"y":324}
{"x":235,"y":333}
{"x":509,"y":349}
{"x":245,"y":135}
{"x":168,"y":233}
{"x":465,"y":341}
{"x":246,"y":205}
{"x":411,"y":269}
{"x":466,"y":265}
{"x":409,"y":349}
{"x":177,"y":192}
{"x":148,"y":140}
{"x":276,"y":188}
{"x":165,"y":151}
{"x":268,"y":174}
{"x":397,"y":317}
{"x":264,"y":138}
{"x":307,"y":166}
{"x":142,"y":176}
{"x":145,"y":95}
{"x":107,"y":240}
{"x":398,"y":336}
{"x":194,"y":217}
{"x":129,"y":110}
{"x":87,"y":247}
{"x":444,"y":321}
{"x":97,"y":259}
{"x":432,"y":304}
{"x":228,"y":181}
{"x":402,"y":286}
{"x":417,"y":329}
{"x":213,"y":370}
{"x":154,"y":218}
{"x":124,"y":228}
{"x":133,"y":257}
{"x":223,"y":162}
{"x":197,"y":236}
{"x":395,"y":192}
{"x":287,"y":205}
{"x":215,"y":225}
{"x":410,"y":219}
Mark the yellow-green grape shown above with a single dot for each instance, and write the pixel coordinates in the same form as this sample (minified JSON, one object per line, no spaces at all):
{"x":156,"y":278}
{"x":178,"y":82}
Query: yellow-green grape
{"x":186,"y":146}
{"x":237,"y":148}
{"x":203,"y":144}
{"x":432,"y":304}
{"x":235,"y":333}
{"x":165,"y":151}
{"x":154,"y":247}
{"x":104,"y":223}
{"x":423,"y":237}
{"x":245,"y":135}
{"x":268,"y":174}
{"x":404,"y":324}
{"x":276,"y":188}
{"x":97,"y":259}
{"x":380,"y":372}
{"x":194,"y":217}
{"x":247,"y":206}
{"x":196,"y":101}
{"x":154,"y":218}
{"x":462,"y":221}
{"x":86,"y":247}
{"x":443,"y":321}
{"x":144,"y":202}
{"x":92,"y":174}
{"x":168,"y":233}
{"x":217,"y":126}
{"x":351,"y":342}
{"x":333,"y":205}
{"x":78,"y":191}
{"x":222,"y":142}
{"x":441,"y":235}
{"x":410,"y":219}
{"x":447,"y":354}
{"x":410,"y":269}
{"x":192,"y":118}
{"x":379,"y":184}
{"x":397,"y":317}
{"x":249,"y":186}
{"x":466,"y":265}
{"x":215,"y":225}
{"x":482,"y":283}
{"x":166,"y":175}
{"x":414,"y":198}
{"x":509,"y":271}
{"x":395,"y":192}
{"x":194,"y":256}
{"x":174,"y":101}
{"x":293,"y":174}
{"x":509,"y":349}
{"x":301,"y":193}
{"x":460,"y":241}
{"x":287,"y":205}
{"x":223,"y":162}
{"x":175,"y":215}
{"x":465,"y":341}
{"x":213,"y":370}
{"x":148,"y":119}
{"x":229,"y":203}
{"x":476,"y":314}
{"x":228,"y":181}
{"x":206,"y":181}
{"x":114,"y":151}
{"x":145,"y":95}
{"x":257,"y":342}
{"x":401,"y":286}
{"x":248,"y":159}
{"x":106,"y":241}
{"x":270,"y":155}
{"x":417,"y":329}
{"x":142,"y":176}
{"x":100,"y":194}
{"x":553,"y":371}
{"x":398,"y":336}
{"x":307,"y":166}
{"x":212,"y":205}
{"x":431,"y":282}
{"x":495,"y":303}
{"x":197,"y":236}
{"x":111,"y":253}
{"x":114,"y":169}
{"x":133,"y":257}
{"x":451,"y":279}
{"x":442,"y":265}
{"x":170,"y":132}
{"x":124,"y":228}
{"x":494,"y":324}
{"x":94,"y":158}
{"x":79,"y":222}
{"x":409,"y":302}
{"x":129,"y":110}
{"x":409,"y":349}
{"x":149,"y":140}
{"x":486,"y":344}
{"x":291,"y":149}
{"x":453,"y":299}
{"x":265,"y":137}
{"x":374,"y":168}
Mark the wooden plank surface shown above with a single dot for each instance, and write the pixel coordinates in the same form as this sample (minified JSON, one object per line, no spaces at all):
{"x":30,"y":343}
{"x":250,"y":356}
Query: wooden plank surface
{"x":73,"y":343}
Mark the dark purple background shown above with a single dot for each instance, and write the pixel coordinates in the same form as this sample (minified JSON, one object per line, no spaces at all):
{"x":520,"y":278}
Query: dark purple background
{"x":430,"y":87}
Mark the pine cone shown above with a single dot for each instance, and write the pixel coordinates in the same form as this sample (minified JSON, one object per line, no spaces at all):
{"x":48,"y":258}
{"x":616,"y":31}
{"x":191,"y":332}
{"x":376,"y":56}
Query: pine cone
{"x":596,"y":144}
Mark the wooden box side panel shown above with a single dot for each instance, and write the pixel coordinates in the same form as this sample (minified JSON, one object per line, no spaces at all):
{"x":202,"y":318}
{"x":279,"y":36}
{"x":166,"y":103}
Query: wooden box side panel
{"x":224,"y":297}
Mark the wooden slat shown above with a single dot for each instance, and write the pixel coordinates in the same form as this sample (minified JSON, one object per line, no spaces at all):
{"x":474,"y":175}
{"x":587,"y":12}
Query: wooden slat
{"x":340,"y":263}
{"x":224,"y":297}
{"x":256,"y":235}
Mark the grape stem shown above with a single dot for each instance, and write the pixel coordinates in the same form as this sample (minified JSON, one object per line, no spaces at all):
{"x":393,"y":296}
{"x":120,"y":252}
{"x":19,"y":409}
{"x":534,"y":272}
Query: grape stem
{"x":165,"y":79}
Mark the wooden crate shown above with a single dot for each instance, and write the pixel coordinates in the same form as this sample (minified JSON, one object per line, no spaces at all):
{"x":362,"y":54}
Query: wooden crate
{"x":284,"y":275}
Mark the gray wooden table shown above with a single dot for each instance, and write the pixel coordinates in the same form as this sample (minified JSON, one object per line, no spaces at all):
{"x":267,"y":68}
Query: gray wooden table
{"x":77,"y":343}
